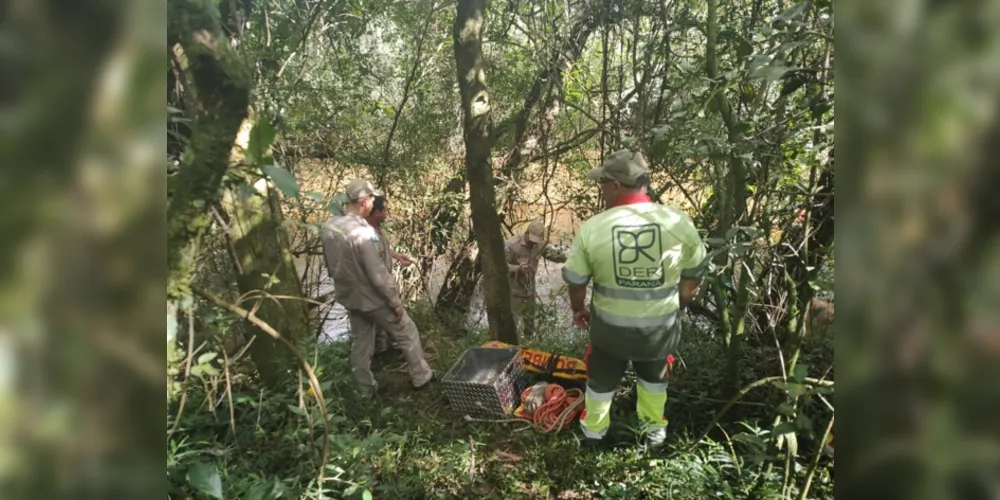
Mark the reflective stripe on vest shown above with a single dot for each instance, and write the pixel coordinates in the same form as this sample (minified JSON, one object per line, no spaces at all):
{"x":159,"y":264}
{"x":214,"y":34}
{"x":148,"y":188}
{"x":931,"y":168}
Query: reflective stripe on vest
{"x":633,"y":294}
{"x":629,"y":321}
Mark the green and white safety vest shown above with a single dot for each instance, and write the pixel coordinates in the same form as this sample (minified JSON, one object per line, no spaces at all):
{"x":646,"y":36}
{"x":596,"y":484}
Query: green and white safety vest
{"x":635,"y":255}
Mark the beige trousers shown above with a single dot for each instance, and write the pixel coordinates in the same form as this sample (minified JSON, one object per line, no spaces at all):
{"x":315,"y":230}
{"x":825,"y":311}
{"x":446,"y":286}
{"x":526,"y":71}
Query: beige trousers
{"x":524,"y":314}
{"x":364,"y":325}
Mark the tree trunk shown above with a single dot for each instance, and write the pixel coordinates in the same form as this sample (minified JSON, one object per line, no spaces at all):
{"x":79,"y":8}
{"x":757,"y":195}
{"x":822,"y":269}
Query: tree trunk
{"x":455,"y":298}
{"x":815,"y":236}
{"x":731,"y":205}
{"x":264,"y":267}
{"x":468,"y":35}
{"x":464,"y":274}
{"x":221,"y":93}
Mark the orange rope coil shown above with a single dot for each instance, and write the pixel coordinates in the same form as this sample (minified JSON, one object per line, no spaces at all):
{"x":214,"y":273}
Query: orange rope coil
{"x":558,"y":409}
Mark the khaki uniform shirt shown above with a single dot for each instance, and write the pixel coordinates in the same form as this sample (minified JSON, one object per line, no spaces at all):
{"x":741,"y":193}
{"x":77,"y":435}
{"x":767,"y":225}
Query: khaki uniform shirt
{"x":523,"y":283}
{"x":354,"y":252}
{"x":385,"y":247}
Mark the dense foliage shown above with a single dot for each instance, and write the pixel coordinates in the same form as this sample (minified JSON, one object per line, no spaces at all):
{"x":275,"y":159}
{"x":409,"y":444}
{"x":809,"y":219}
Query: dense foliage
{"x":275,"y":105}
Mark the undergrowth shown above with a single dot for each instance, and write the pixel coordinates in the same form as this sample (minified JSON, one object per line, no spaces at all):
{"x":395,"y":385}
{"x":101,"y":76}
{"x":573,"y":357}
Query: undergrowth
{"x":407,"y":444}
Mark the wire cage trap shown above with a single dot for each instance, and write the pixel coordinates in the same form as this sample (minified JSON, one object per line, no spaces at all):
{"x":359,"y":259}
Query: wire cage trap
{"x":486,"y":382}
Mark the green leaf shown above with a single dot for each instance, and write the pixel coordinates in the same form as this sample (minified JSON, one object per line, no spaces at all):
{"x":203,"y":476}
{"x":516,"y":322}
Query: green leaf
{"x":278,"y":490}
{"x":743,"y":47}
{"x":803,"y":423}
{"x":205,"y":358}
{"x":203,"y":370}
{"x":751,"y":439}
{"x":314,"y":196}
{"x":786,"y":410}
{"x":367,"y":495}
{"x":759,"y":61}
{"x":336,"y":206}
{"x":784,"y":428}
{"x":258,"y":491}
{"x":796,"y":390}
{"x":800,"y":372}
{"x":245,"y":192}
{"x":296,"y":410}
{"x":171,"y":326}
{"x":261,"y":138}
{"x":794,"y":11}
{"x":772,"y":72}
{"x":660,"y":131}
{"x":283,"y":179}
{"x":350,"y":490}
{"x":205,"y":478}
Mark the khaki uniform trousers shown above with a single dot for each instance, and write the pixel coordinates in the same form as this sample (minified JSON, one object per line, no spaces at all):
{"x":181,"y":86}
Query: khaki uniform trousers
{"x":404,"y":334}
{"x":525,"y":309}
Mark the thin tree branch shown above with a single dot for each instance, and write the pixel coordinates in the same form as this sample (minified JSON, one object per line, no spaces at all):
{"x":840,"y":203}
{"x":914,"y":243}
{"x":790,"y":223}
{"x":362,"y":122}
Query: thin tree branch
{"x":409,"y":83}
{"x":743,"y":392}
{"x":815,"y":460}
{"x":574,"y":142}
{"x":306,"y":367}
{"x":187,"y":372}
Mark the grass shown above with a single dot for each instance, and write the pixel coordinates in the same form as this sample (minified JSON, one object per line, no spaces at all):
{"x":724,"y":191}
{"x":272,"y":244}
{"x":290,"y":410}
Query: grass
{"x":407,"y":444}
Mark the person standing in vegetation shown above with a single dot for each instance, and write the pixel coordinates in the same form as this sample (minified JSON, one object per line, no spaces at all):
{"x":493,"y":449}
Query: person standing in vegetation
{"x":523,"y":253}
{"x":352,"y":250}
{"x":380,"y":211}
{"x":645,"y":261}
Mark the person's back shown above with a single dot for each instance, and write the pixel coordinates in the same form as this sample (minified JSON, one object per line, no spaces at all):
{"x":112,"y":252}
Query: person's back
{"x":343,"y":237}
{"x":645,"y":262}
{"x":636,"y":254}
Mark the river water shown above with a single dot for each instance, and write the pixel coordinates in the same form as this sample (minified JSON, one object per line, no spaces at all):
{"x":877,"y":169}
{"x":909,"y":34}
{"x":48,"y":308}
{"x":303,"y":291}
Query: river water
{"x":335,"y":326}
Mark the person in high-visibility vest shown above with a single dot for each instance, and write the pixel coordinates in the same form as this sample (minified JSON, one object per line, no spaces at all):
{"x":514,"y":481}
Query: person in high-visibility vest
{"x":645,"y":262}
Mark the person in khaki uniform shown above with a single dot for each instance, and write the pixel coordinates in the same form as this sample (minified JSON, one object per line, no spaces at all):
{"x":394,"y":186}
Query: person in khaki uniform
{"x":524,"y":251}
{"x":353,"y":252}
{"x":378,"y":215}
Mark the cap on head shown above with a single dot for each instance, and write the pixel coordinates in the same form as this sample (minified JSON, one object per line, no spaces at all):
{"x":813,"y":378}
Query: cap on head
{"x":622,"y":166}
{"x":360,"y":188}
{"x":536,"y":232}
